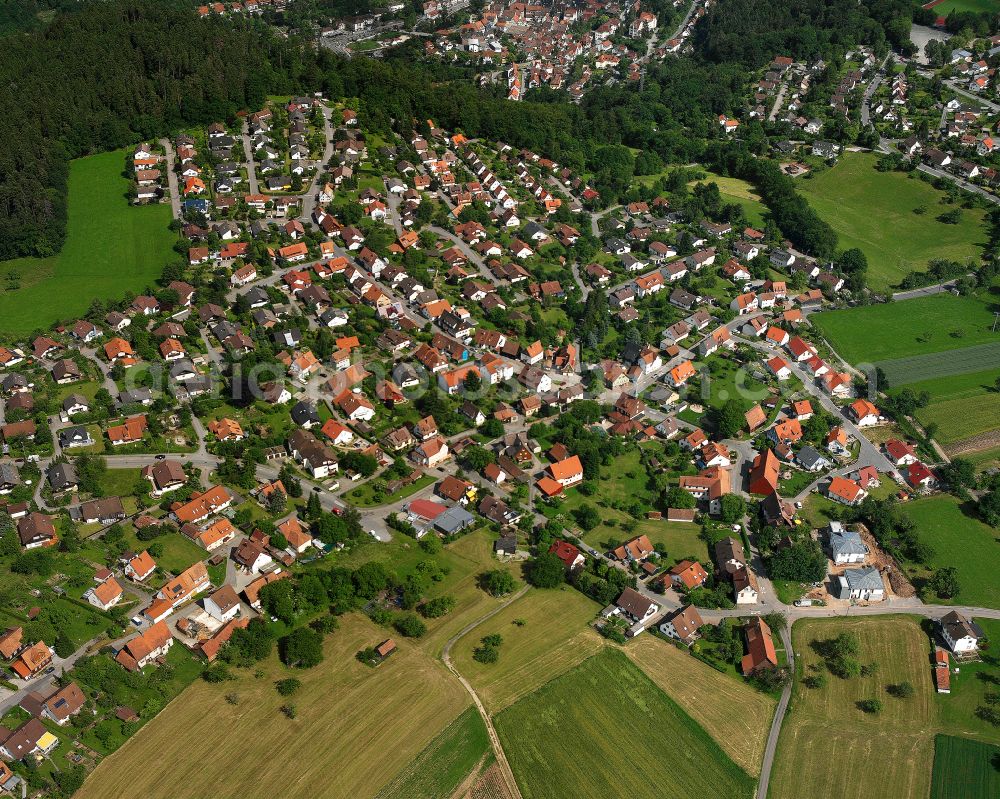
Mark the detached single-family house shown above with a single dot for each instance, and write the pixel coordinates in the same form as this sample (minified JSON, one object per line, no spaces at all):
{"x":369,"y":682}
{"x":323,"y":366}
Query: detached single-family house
{"x":961,"y":634}
{"x":862,"y":584}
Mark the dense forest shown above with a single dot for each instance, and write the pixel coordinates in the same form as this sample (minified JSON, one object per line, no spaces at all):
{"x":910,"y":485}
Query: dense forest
{"x":121,"y":71}
{"x":26,"y":15}
{"x":752,"y":32}
{"x":112,"y":74}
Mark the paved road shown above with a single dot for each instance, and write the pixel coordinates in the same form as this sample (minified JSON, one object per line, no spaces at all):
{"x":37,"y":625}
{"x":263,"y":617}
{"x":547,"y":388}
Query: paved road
{"x":923,"y":291}
{"x":956,"y":87}
{"x":172,"y":188}
{"x":584,"y":287}
{"x":940,"y":173}
{"x":778,"y":101}
{"x":595,"y":219}
{"x":870,"y":91}
{"x":870,"y":455}
{"x":779,"y":717}
{"x":61,"y":665}
{"x":498,"y":751}
{"x":473,"y":257}
{"x":309,"y":198}
{"x":248,"y":156}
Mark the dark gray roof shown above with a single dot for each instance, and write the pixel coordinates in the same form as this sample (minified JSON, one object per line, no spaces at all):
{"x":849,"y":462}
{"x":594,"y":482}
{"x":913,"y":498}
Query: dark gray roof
{"x":454,"y":519}
{"x":62,"y":475}
{"x":847,"y":543}
{"x":866,"y":579}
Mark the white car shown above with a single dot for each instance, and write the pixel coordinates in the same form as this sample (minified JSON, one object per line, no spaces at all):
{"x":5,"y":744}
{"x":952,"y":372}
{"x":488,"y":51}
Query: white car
{"x":803,"y":603}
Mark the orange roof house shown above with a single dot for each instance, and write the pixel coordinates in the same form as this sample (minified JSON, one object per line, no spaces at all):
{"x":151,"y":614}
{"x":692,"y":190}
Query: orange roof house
{"x":760,"y":648}
{"x":120,"y":351}
{"x":130,"y":431}
{"x":681,"y":373}
{"x":226,"y":429}
{"x":10,"y":642}
{"x":689,"y":573}
{"x":549,"y":487}
{"x":32,"y":660}
{"x":145,"y":647}
{"x":755,"y":418}
{"x":185,"y":585}
{"x":636,"y":548}
{"x":845,"y":491}
{"x":201,"y":506}
{"x":141,"y":566}
{"x":567,"y":472}
{"x":764,"y":474}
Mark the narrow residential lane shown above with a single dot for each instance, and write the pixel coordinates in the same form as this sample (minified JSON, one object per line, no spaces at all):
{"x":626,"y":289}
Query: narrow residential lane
{"x":172,"y":189}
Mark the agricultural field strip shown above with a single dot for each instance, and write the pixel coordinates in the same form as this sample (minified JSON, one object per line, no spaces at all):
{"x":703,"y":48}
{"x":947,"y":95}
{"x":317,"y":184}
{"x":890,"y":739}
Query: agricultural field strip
{"x":901,"y":371}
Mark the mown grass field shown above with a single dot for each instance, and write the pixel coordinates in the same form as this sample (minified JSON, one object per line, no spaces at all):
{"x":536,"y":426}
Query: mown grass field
{"x":734,"y":190}
{"x":111,"y":248}
{"x":438,"y":770}
{"x":829,"y":749}
{"x":891,"y":752}
{"x":961,"y":541}
{"x":605,"y":729}
{"x":875,"y":211}
{"x":355,"y":729}
{"x":554,"y":638}
{"x":962,"y":406}
{"x":875,"y":333}
{"x":709,"y":696}
{"x":965,"y":769}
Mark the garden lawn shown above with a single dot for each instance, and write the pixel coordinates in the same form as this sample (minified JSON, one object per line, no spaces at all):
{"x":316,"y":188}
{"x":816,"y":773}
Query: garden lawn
{"x":961,"y":541}
{"x":709,"y":697}
{"x":729,"y":379}
{"x":112,"y":247}
{"x":874,"y":211}
{"x":556,"y":636}
{"x":179,"y":551}
{"x":874,"y":333}
{"x":364,"y":496}
{"x":734,"y":190}
{"x":436,"y":772}
{"x":603,"y":729}
{"x":120,"y":482}
{"x":356,"y":728}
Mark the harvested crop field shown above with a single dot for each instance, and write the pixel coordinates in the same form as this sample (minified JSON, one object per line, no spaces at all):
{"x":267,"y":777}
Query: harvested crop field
{"x":339,"y":745}
{"x":553,"y":636}
{"x":927,"y":367}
